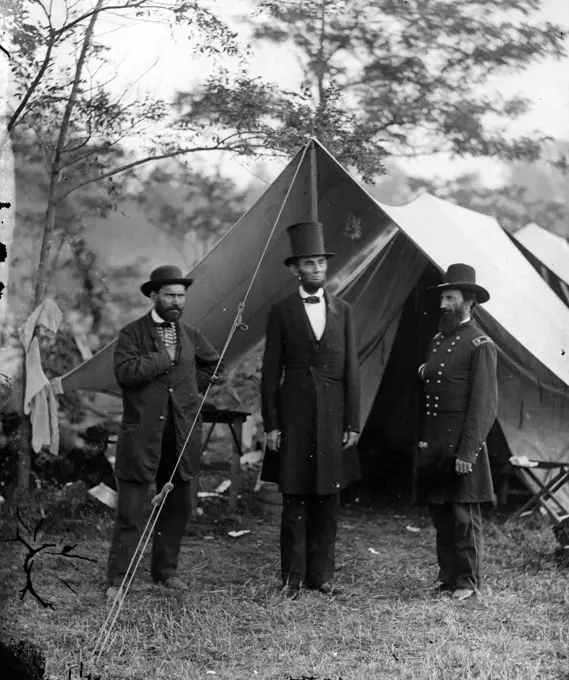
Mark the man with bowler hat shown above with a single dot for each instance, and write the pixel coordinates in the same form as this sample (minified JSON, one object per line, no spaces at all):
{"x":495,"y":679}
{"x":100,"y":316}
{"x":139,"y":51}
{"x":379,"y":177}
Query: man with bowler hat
{"x":310,"y":403}
{"x":461,"y":395}
{"x":161,"y":364}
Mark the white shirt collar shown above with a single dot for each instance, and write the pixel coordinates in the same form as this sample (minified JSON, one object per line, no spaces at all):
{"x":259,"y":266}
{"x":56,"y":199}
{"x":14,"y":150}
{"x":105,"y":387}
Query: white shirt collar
{"x":156,"y":317}
{"x":319,"y":293}
{"x":466,"y":320}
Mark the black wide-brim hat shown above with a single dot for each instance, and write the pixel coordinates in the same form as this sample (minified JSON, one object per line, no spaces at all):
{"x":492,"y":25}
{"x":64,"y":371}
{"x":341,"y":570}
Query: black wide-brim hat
{"x":306,"y":240}
{"x":463,"y":277}
{"x":166,"y":275}
{"x":98,"y":434}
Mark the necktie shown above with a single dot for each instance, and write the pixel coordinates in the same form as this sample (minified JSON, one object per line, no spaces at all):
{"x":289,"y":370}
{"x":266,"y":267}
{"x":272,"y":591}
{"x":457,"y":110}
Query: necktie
{"x":164,"y":324}
{"x":311,"y":299}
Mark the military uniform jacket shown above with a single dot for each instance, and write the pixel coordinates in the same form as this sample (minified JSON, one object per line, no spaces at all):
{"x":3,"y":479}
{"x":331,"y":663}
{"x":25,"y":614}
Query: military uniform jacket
{"x":311,"y":392}
{"x":152,"y":384}
{"x":461,"y":394}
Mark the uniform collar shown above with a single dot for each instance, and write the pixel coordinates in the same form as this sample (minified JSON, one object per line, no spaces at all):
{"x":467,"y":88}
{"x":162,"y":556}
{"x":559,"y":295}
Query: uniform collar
{"x":303,"y":294}
{"x":465,"y":321}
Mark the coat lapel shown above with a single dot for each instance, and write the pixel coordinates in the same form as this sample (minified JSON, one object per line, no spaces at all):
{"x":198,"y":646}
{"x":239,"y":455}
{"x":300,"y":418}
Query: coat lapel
{"x":153,"y":332}
{"x":332,"y":313}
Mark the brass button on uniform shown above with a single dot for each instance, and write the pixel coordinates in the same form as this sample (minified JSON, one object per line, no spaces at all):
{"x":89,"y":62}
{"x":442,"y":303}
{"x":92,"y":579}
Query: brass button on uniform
{"x":160,"y":417}
{"x":171,"y":390}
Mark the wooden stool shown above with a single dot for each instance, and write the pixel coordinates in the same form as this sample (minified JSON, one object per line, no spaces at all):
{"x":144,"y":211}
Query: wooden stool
{"x":234,"y":420}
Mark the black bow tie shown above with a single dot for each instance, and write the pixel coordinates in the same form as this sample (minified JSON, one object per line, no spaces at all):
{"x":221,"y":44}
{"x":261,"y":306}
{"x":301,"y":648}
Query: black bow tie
{"x":311,"y":299}
{"x":165,"y":324}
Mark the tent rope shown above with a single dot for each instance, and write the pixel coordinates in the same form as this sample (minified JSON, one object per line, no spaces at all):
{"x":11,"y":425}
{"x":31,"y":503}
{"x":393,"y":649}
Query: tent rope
{"x":159,"y":500}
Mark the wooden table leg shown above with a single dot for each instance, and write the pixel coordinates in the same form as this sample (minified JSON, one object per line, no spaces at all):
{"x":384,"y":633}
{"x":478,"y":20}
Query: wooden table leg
{"x":194,"y":486}
{"x":235,"y":488}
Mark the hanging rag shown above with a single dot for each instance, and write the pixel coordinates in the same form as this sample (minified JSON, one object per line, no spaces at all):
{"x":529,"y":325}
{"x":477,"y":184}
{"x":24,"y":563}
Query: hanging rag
{"x":39,"y":398}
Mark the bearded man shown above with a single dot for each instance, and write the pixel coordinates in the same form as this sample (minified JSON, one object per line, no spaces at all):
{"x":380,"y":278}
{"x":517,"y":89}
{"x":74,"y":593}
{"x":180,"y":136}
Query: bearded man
{"x":461,"y":392}
{"x":161,"y":364}
{"x":310,"y":403}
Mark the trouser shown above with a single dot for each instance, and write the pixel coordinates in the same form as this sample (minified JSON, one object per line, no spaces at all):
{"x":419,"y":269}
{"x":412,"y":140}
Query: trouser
{"x":169,"y":528}
{"x":459,"y":543}
{"x":308,"y":535}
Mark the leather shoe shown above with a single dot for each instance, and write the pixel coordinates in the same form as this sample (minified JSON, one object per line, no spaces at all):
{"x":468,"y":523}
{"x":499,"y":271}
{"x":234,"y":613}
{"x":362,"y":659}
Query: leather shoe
{"x":174,"y":583}
{"x":462,"y":594}
{"x":328,"y":589}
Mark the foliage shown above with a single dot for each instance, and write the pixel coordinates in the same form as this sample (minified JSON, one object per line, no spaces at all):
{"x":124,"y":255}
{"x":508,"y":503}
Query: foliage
{"x":394,"y":78}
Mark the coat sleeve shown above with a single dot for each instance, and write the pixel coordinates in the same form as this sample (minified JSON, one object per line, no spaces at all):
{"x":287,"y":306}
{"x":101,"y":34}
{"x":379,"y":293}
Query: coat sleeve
{"x":272,"y":371}
{"x":351,"y":378}
{"x":483,"y":405}
{"x":206,"y":360}
{"x":133,"y":369}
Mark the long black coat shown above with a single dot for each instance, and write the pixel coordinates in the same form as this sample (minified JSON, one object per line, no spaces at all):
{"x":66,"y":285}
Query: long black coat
{"x":461,"y":391}
{"x":152,"y":383}
{"x":311,"y":393}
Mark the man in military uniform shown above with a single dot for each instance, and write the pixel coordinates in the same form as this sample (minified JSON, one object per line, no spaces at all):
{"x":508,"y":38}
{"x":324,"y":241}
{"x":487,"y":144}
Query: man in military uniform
{"x":461,"y":394}
{"x":310,"y":400}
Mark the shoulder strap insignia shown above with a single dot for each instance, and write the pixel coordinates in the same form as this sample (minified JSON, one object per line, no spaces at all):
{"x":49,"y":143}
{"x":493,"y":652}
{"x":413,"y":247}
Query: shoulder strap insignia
{"x":482,"y":340}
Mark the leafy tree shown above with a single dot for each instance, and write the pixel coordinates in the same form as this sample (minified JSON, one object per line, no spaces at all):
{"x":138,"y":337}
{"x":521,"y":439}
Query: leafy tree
{"x":394,"y":78}
{"x":79,"y":126}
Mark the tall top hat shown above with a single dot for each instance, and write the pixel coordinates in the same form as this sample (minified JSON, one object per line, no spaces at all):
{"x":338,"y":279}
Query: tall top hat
{"x":164,"y":276}
{"x":306,"y":240}
{"x":463,"y":277}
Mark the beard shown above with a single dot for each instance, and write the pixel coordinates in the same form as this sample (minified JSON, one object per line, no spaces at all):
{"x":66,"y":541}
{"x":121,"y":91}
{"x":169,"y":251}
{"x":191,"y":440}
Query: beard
{"x":449,"y":321}
{"x":312,"y":287}
{"x":171,"y":314}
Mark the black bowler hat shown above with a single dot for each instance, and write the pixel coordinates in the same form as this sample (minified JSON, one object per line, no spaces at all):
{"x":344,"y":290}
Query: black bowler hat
{"x":306,"y":240}
{"x":463,"y":277}
{"x":98,"y":434}
{"x":164,"y":276}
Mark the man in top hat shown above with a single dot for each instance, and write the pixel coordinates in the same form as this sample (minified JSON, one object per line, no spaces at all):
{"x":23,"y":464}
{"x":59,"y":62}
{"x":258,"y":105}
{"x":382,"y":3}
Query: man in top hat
{"x":310,"y":403}
{"x":161,"y":364}
{"x":461,"y":394}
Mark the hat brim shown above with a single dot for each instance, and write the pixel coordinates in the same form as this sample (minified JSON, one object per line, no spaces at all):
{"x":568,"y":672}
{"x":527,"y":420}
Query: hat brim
{"x":110,"y":439}
{"x":482,"y":295}
{"x":149,"y":286}
{"x":293,"y":258}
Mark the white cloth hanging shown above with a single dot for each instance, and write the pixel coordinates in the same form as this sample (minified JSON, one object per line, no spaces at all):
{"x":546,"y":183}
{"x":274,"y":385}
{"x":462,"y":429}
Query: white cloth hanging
{"x":39,"y":397}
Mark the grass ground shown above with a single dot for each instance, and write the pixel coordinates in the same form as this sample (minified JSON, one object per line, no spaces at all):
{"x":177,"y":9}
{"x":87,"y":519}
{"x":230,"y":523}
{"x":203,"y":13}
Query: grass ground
{"x":233,"y":624}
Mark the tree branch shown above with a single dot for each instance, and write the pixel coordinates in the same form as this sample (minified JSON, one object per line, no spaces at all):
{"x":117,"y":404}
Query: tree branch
{"x":40,"y":74}
{"x":129,"y":166}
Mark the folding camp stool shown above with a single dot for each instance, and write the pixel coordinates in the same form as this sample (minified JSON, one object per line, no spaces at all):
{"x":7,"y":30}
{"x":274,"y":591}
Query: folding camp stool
{"x":544,"y":492}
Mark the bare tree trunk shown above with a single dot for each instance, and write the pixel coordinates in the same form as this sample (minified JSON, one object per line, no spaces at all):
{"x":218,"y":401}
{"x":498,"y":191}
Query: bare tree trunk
{"x":25,"y":458}
{"x":55,"y":174}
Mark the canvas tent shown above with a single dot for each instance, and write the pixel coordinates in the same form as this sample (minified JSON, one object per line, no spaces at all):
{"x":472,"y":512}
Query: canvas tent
{"x":386,"y":257}
{"x":549,"y":254}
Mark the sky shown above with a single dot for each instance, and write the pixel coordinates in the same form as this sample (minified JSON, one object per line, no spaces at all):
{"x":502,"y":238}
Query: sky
{"x":149,"y":57}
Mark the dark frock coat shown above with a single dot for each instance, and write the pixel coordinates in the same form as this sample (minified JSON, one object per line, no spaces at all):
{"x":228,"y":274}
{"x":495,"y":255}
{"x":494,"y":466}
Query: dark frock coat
{"x":152,"y":384}
{"x":461,"y":391}
{"x":311,"y":393}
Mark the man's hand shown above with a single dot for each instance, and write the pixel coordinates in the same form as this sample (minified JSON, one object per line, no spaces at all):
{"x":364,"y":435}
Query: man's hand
{"x":273,"y":440}
{"x":350,"y":439}
{"x":462,"y":467}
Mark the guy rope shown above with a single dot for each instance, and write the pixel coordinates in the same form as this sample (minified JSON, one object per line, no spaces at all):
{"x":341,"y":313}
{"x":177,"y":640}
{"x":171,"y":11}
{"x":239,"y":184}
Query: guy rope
{"x":158,"y":501}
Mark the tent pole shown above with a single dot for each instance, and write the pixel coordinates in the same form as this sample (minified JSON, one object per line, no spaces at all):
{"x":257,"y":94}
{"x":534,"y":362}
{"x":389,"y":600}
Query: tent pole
{"x":313,"y":183}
